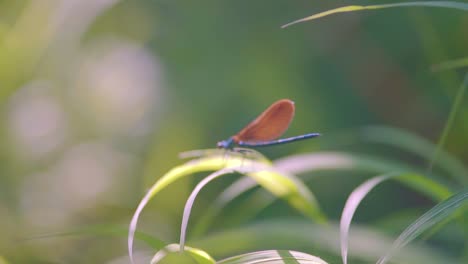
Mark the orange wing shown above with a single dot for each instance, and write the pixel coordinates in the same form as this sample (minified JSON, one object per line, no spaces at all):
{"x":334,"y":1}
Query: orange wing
{"x":269,"y":125}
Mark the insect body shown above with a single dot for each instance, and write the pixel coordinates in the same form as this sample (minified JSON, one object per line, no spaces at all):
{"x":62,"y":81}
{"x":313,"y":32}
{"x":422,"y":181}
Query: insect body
{"x":266,"y":128}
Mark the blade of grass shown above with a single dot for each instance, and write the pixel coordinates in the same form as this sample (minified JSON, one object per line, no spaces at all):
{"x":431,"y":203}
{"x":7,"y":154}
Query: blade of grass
{"x":349,"y":209}
{"x":438,"y":213}
{"x":450,"y":65}
{"x":353,"y":8}
{"x":453,"y":112}
{"x":367,"y":245}
{"x":416,"y":145}
{"x":305,"y":162}
{"x":291,"y":165}
{"x":198,"y":255}
{"x":278,"y":184}
{"x":191,"y":200}
{"x":333,"y":161}
{"x":274,"y":256}
{"x":194,"y":166}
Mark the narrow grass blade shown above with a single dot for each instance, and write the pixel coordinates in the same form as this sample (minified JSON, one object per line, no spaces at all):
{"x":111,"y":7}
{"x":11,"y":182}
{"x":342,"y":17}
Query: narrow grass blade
{"x":450,"y":65}
{"x":347,"y":161}
{"x":191,"y":200}
{"x":453,"y":112}
{"x":334,"y":161}
{"x":350,"y":208}
{"x":309,"y":209}
{"x":278,"y":184}
{"x":367,"y":245}
{"x":273,"y":256}
{"x":198,"y":255}
{"x":203,"y":164}
{"x":417,"y":145}
{"x":353,"y":8}
{"x":274,"y":181}
{"x":440,"y":212}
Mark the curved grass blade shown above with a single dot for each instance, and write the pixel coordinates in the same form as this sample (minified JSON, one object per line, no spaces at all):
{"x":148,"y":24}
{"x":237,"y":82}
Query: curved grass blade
{"x":417,"y":145}
{"x":278,"y":184}
{"x":306,"y":163}
{"x":359,"y":194}
{"x":242,"y":185}
{"x":191,"y":200}
{"x":198,"y":255}
{"x":353,"y":8}
{"x":273,"y":256}
{"x":440,"y":212}
{"x":349,"y":209}
{"x":294,"y":233}
{"x":450,"y":65}
{"x":194,"y":166}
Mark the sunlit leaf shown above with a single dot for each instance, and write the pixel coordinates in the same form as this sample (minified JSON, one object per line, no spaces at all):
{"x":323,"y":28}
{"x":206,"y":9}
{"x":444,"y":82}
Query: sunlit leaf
{"x":277,"y":183}
{"x":333,"y":161}
{"x":273,"y":256}
{"x":280,"y":185}
{"x":198,"y":255}
{"x":353,"y":8}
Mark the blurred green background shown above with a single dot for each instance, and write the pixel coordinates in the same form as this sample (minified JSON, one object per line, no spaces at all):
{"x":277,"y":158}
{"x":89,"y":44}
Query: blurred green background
{"x":99,"y":97}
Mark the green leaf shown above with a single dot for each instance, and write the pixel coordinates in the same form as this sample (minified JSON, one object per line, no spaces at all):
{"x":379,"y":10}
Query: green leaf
{"x":353,"y":8}
{"x":345,"y":161}
{"x":306,"y":163}
{"x":274,"y":256}
{"x":323,"y":239}
{"x":200,"y":256}
{"x":358,"y":195}
{"x":438,"y":213}
{"x":451,"y":65}
{"x":277,"y":183}
{"x":417,"y":145}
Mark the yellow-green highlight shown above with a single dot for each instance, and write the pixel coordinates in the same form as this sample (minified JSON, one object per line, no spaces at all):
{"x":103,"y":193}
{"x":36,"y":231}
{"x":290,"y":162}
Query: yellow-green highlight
{"x":198,"y":255}
{"x":352,"y":8}
{"x":274,"y":181}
